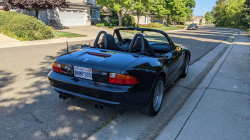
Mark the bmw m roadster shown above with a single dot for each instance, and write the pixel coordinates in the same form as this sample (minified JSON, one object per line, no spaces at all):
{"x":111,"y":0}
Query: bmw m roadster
{"x":129,"y":69}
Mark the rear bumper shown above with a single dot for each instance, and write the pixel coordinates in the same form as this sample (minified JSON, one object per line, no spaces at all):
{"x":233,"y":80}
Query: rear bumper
{"x":125,"y":97}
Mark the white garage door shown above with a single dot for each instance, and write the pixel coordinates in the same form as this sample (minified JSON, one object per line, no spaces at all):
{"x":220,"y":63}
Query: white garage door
{"x":72,"y":18}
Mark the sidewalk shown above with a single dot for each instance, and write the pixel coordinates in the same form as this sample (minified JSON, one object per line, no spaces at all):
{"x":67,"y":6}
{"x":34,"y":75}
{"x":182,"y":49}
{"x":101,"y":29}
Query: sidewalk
{"x":4,"y":38}
{"x":220,"y":107}
{"x":7,"y":44}
{"x":90,"y":31}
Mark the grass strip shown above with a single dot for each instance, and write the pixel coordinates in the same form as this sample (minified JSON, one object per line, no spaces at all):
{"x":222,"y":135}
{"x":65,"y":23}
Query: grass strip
{"x":67,"y":34}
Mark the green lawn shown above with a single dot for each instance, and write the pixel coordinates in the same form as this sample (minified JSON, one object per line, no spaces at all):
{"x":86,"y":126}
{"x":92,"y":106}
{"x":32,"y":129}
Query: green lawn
{"x":66,"y":34}
{"x":164,"y":28}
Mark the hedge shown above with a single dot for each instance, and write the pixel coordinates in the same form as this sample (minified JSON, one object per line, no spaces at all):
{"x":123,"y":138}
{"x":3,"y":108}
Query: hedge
{"x":128,"y":20}
{"x":24,"y":27}
{"x":100,"y":24}
{"x":151,"y":25}
{"x":181,"y":26}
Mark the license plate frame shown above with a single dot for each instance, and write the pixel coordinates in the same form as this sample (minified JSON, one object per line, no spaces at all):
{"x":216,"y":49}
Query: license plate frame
{"x":82,"y":72}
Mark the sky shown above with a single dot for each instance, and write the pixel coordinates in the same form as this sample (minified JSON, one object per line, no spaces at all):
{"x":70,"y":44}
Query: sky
{"x":203,"y":6}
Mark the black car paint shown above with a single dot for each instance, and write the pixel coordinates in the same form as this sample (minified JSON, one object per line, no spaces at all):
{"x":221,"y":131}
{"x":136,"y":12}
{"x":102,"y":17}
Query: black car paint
{"x":145,"y":68}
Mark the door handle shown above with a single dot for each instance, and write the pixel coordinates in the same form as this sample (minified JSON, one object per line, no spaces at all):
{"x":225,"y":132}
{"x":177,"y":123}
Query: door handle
{"x":174,"y":52}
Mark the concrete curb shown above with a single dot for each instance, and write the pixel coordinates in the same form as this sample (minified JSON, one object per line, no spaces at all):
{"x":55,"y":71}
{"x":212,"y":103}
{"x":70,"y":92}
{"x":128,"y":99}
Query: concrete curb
{"x":174,"y":128}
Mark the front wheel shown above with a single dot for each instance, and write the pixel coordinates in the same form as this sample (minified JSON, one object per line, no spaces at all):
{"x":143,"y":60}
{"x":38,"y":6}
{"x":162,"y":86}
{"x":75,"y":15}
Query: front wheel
{"x":185,"y":71}
{"x":154,"y":104}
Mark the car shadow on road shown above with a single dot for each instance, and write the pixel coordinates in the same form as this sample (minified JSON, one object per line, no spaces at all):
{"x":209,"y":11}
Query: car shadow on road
{"x":43,"y":114}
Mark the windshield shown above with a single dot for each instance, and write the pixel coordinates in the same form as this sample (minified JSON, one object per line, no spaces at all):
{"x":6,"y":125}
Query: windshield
{"x":192,"y":25}
{"x":149,"y":35}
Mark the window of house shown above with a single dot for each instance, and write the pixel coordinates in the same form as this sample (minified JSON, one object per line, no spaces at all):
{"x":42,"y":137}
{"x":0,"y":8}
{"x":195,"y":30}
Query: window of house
{"x":93,"y":13}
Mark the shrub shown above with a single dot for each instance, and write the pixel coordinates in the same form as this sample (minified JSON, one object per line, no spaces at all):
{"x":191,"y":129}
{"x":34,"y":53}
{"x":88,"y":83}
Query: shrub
{"x":248,"y":30}
{"x":24,"y":27}
{"x":100,"y":24}
{"x":181,"y":26}
{"x":128,"y":20}
{"x":114,"y":22}
{"x":150,"y":25}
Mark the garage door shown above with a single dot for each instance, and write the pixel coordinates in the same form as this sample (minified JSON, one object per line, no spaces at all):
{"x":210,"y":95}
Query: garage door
{"x":72,"y":18}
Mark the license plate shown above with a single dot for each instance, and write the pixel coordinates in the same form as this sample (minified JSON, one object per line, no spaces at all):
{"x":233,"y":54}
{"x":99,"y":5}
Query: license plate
{"x":82,"y":72}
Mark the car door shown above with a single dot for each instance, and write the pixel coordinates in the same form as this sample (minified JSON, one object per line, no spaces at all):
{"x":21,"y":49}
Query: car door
{"x":174,"y":61}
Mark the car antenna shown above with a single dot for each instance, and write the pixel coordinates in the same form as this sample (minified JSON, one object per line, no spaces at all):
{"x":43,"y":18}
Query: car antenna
{"x":89,"y":44}
{"x":67,"y":47}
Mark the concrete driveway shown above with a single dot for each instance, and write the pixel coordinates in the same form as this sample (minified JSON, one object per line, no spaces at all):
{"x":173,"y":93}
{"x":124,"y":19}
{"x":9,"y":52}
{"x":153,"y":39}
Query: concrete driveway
{"x":90,"y":31}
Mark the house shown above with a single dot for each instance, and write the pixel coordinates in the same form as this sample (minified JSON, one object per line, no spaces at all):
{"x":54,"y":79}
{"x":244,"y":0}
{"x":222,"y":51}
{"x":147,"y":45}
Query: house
{"x":196,"y":19}
{"x":1,"y":6}
{"x":79,"y":13}
{"x":145,"y":18}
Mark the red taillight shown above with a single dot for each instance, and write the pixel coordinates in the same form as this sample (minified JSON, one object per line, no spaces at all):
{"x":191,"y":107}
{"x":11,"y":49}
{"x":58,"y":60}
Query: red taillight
{"x":121,"y":79}
{"x":57,"y":67}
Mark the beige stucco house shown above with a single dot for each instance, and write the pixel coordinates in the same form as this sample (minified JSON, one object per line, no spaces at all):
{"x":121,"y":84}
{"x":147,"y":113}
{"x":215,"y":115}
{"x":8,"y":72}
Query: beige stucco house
{"x":145,"y":18}
{"x":196,"y":19}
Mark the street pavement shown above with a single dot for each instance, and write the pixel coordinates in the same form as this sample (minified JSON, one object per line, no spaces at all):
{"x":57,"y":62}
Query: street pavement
{"x":220,"y":106}
{"x":30,"y":109}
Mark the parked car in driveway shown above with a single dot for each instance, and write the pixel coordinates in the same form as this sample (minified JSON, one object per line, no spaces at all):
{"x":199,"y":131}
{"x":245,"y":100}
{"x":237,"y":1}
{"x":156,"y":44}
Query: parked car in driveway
{"x":192,"y":27}
{"x":129,"y":69}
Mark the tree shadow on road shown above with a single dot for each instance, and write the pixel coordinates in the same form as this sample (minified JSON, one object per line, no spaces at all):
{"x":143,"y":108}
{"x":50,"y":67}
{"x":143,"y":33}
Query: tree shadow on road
{"x":42,"y":113}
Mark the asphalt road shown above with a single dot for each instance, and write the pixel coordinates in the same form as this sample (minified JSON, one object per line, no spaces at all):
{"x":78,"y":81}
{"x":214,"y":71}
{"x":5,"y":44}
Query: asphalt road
{"x":30,"y":109}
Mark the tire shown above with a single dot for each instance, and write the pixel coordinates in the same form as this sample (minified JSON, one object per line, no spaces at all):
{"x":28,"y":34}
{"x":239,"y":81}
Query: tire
{"x":154,"y":104}
{"x":186,"y":66}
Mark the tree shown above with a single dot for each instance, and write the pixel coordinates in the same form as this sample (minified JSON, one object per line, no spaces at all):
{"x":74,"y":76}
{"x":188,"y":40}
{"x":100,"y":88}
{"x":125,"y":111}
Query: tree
{"x":245,"y":18}
{"x":227,"y":13}
{"x":173,"y":9}
{"x":140,"y":7}
{"x":208,"y":17}
{"x":35,"y":4}
{"x":189,"y":17}
{"x":121,"y":7}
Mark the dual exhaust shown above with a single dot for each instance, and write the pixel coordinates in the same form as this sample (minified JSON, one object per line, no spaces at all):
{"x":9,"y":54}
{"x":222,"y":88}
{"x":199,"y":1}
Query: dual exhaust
{"x":64,"y":97}
{"x":100,"y":105}
{"x":97,"y":105}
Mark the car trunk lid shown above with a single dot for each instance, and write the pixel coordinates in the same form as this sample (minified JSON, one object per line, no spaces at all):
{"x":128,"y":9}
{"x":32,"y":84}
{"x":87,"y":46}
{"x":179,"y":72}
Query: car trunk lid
{"x":100,"y":61}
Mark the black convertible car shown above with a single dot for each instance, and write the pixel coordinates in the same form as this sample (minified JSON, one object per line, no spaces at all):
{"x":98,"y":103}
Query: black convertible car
{"x":129,"y":69}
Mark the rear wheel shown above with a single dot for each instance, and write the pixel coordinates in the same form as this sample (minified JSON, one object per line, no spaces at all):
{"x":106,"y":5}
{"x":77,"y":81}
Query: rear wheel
{"x":154,"y":104}
{"x":185,"y":71}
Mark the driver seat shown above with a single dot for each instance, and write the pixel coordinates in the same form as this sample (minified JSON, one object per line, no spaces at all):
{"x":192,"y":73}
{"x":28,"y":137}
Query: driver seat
{"x":138,"y":46}
{"x":111,"y":45}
